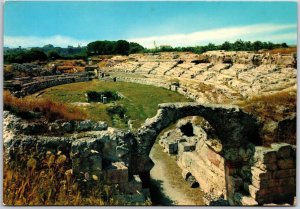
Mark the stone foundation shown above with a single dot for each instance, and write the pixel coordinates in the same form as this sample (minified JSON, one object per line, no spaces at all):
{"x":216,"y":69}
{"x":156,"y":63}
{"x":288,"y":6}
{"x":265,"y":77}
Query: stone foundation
{"x":25,"y":86}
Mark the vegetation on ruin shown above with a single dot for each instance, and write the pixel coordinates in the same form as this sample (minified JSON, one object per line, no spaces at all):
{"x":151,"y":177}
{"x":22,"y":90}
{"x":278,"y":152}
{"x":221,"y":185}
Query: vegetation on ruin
{"x":49,"y":182}
{"x":140,"y":100}
{"x":275,"y":106}
{"x":282,"y":50}
{"x":49,"y":109}
{"x":94,"y":96}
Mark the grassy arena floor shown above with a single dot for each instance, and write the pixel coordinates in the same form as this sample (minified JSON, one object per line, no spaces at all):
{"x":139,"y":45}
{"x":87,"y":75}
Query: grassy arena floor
{"x":140,"y":100}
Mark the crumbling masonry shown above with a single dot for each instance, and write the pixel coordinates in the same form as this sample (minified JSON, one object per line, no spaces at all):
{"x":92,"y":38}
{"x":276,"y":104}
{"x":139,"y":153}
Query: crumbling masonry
{"x":235,"y":168}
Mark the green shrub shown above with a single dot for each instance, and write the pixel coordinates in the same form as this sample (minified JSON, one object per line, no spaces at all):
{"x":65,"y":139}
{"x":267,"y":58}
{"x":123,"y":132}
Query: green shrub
{"x":119,"y":110}
{"x":94,"y":96}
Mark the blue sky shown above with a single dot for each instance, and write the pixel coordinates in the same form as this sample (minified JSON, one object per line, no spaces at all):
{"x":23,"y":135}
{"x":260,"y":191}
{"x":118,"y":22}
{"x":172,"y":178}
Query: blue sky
{"x":167,"y":23}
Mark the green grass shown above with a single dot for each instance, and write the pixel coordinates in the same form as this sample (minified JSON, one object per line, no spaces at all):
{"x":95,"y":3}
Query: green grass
{"x":140,"y":100}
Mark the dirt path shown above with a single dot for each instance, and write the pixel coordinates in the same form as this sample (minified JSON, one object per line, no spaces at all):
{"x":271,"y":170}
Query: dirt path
{"x":168,"y":186}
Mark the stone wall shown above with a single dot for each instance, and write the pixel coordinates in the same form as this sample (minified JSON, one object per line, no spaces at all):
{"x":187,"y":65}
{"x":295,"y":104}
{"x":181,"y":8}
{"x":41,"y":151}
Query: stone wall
{"x":181,"y":89}
{"x":95,"y":153}
{"x":23,"y":87}
{"x":144,"y":81}
{"x":273,"y":174}
{"x":223,"y":157}
{"x":250,"y":175}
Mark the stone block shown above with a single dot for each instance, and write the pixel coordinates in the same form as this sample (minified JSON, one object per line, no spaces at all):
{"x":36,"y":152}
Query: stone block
{"x":104,"y":100}
{"x":99,"y":126}
{"x":284,"y":173}
{"x":249,"y":201}
{"x":283,"y":150}
{"x":213,"y":157}
{"x":173,"y":88}
{"x":253,"y":191}
{"x":116,"y":173}
{"x":83,"y":125}
{"x":266,"y":166}
{"x":131,"y":187}
{"x":285,"y":182}
{"x":180,"y":140}
{"x":257,"y":193}
{"x":214,"y":144}
{"x":286,"y":163}
{"x":67,"y":126}
{"x":96,"y":163}
{"x":265,"y":155}
{"x":91,"y":164}
{"x":261,"y":184}
{"x":186,"y":147}
{"x":172,"y":147}
{"x":260,"y":174}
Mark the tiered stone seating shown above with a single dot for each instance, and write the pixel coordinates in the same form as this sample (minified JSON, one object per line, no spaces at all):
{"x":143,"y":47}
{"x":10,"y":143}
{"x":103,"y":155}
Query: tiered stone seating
{"x":146,"y":68}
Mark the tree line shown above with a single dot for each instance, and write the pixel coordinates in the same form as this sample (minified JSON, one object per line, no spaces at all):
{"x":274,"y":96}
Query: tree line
{"x":238,"y":45}
{"x":123,"y":47}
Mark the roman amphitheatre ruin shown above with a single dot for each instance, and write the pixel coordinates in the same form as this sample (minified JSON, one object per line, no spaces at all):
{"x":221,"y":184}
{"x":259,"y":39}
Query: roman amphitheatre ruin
{"x":233,"y":133}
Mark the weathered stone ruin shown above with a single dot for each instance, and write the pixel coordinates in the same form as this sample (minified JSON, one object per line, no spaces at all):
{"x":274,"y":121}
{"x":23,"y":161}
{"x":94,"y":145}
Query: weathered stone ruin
{"x":212,"y":77}
{"x":256,"y":176}
{"x":23,"y":86}
{"x":98,"y":153}
{"x":221,"y":154}
{"x":228,"y":154}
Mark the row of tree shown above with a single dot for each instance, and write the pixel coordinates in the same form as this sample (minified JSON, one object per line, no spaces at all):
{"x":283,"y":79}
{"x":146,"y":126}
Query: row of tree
{"x":20,"y":55}
{"x":122,"y":47}
{"x":238,"y":45}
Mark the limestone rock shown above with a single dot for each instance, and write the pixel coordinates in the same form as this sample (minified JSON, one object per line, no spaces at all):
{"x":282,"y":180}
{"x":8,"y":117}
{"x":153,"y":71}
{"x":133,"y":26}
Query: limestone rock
{"x":115,"y":173}
{"x":284,"y":150}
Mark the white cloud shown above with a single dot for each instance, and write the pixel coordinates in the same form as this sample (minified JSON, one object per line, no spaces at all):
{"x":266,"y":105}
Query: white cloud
{"x":33,"y":41}
{"x":220,"y":35}
{"x":263,"y":32}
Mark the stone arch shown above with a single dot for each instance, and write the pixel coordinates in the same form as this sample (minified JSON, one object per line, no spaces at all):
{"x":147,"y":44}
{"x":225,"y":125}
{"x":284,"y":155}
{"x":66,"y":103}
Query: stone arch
{"x":233,"y":126}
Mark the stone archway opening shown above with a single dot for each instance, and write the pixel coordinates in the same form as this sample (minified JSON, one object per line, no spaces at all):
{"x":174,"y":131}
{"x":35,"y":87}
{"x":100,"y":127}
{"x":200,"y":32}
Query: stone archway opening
{"x":187,"y":129}
{"x":166,"y":175}
{"x":232,"y":126}
{"x":193,"y":142}
{"x":243,"y":166}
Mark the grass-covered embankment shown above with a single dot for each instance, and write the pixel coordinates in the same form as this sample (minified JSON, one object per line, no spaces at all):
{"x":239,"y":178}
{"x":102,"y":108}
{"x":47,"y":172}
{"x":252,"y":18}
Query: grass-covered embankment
{"x":140,"y":100}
